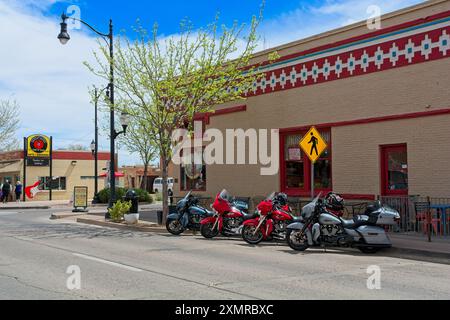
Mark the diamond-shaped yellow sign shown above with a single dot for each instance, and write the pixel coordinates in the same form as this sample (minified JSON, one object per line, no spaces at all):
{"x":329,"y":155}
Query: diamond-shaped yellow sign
{"x":313,"y":144}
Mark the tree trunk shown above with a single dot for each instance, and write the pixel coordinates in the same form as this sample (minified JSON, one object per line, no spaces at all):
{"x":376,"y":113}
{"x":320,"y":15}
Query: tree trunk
{"x":144,"y":181}
{"x":165,"y":194}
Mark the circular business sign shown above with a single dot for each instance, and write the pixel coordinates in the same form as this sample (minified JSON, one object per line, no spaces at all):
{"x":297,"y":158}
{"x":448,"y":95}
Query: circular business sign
{"x":38,"y":144}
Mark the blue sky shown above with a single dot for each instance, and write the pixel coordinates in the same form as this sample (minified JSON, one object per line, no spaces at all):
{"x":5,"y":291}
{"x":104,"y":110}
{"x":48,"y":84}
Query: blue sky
{"x":50,"y":82}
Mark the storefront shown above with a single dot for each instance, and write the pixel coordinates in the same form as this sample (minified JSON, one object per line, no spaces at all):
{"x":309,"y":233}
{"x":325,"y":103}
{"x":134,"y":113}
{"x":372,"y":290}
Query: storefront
{"x":70,"y":169}
{"x":380,"y":99}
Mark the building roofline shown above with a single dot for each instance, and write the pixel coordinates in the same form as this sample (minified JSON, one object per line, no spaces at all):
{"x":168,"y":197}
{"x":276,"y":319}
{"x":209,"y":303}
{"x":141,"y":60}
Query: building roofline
{"x":347,"y":28}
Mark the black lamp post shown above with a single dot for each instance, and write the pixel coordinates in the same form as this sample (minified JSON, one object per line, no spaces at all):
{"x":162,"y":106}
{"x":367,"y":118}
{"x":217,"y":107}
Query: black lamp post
{"x":64,"y":38}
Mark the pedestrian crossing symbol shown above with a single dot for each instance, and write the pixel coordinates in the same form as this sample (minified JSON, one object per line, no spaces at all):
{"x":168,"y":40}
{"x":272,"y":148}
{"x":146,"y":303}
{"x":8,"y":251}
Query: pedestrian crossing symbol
{"x":313,"y":145}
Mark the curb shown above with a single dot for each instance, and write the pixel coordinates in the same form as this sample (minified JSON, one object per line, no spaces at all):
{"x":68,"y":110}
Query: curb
{"x":26,"y":208}
{"x":121,"y":226}
{"x":57,"y":216}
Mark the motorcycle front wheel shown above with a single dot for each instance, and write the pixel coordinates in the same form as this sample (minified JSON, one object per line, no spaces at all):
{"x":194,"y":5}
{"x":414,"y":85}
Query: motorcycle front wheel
{"x":297,"y":242}
{"x":250,"y":236}
{"x":174,"y":227}
{"x":208,"y":232}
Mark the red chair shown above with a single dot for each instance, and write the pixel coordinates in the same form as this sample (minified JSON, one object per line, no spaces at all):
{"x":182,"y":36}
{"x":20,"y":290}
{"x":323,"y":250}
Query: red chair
{"x":422,"y":217}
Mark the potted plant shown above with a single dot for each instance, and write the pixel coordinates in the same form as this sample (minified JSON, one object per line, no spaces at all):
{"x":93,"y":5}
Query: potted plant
{"x":119,"y":211}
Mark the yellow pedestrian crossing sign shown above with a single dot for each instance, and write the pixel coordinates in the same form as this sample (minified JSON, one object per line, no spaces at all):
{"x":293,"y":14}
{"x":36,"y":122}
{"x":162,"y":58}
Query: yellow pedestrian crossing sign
{"x":313,"y":144}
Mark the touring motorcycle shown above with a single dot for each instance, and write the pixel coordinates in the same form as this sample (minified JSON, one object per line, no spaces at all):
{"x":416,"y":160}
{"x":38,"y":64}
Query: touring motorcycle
{"x":227,"y":218}
{"x":188,"y":215}
{"x":274,"y":215}
{"x":319,"y":227}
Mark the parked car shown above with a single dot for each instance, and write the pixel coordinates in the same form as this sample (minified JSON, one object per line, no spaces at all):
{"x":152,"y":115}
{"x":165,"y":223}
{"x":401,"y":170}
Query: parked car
{"x":158,"y":185}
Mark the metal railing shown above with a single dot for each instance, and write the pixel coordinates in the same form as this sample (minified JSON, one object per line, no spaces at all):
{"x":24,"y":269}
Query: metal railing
{"x":421,"y":215}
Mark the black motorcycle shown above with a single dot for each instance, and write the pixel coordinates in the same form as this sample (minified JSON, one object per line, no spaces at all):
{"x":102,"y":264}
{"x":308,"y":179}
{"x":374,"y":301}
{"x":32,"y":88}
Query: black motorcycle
{"x":188,"y":215}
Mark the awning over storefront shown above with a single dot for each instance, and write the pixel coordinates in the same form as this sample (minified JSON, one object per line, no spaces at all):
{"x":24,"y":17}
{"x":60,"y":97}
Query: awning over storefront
{"x":11,"y":166}
{"x":117,"y":174}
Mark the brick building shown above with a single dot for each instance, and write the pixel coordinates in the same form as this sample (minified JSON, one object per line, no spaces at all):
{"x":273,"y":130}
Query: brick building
{"x":381,"y":99}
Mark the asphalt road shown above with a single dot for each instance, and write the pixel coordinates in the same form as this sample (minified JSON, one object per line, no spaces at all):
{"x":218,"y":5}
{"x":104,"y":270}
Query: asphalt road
{"x":35,"y":254}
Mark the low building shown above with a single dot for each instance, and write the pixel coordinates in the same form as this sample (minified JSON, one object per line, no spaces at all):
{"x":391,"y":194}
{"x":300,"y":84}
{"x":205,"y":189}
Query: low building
{"x":70,"y":169}
{"x":380,"y":99}
{"x":134,"y":175}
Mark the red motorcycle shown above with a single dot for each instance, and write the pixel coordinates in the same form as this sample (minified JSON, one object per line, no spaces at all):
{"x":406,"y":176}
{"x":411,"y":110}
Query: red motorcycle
{"x":274,"y":217}
{"x":227,"y":218}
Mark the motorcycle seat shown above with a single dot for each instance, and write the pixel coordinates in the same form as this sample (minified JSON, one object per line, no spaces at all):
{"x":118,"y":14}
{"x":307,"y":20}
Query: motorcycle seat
{"x":354,"y":224}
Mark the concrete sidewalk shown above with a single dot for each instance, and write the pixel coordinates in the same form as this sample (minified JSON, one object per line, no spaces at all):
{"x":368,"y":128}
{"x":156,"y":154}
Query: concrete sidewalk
{"x":413,"y":243}
{"x":36,"y":205}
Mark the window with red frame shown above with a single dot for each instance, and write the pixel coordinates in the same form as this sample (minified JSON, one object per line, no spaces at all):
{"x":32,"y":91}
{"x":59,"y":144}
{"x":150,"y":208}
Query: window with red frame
{"x":296,"y":173}
{"x":193,"y":176}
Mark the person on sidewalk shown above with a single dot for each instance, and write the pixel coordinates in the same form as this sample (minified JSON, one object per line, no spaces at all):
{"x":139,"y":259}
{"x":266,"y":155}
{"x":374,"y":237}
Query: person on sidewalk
{"x":6,"y":190}
{"x":18,"y":191}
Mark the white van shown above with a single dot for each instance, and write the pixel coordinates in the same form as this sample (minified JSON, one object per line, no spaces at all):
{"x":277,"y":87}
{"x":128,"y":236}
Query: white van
{"x":158,"y":184}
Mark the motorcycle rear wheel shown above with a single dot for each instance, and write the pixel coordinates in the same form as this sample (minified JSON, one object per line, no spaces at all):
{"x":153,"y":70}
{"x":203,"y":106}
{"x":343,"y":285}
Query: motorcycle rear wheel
{"x":207,"y":232}
{"x":249,"y":236}
{"x":295,"y":242}
{"x":174,"y":227}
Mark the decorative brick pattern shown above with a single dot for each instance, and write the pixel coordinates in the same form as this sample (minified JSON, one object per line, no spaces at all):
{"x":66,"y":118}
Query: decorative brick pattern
{"x":424,"y":43}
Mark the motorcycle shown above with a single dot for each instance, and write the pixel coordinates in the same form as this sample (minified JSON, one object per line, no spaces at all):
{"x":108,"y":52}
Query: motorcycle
{"x":321,"y":228}
{"x":188,"y":216}
{"x":227,"y":218}
{"x":274,"y":217}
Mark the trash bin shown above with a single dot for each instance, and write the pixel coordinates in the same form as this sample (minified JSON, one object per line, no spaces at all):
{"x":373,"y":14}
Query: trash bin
{"x":160,"y":217}
{"x":133,"y":197}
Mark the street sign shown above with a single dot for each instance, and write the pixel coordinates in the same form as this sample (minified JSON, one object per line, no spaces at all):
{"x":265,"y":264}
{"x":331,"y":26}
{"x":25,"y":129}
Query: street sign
{"x":38,"y":162}
{"x":313,"y":144}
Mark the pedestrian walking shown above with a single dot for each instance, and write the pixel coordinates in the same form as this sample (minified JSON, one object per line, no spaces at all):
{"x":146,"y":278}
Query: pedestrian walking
{"x":18,"y":191}
{"x":6,"y":190}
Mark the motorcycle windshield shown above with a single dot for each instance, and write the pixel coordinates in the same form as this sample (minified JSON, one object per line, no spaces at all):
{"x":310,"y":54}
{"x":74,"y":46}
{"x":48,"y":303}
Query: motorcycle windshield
{"x":308,"y":210}
{"x":225,"y":195}
{"x":187,"y":196}
{"x":271,"y":196}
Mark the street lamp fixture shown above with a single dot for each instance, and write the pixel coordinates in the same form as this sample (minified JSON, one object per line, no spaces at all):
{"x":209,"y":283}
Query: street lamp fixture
{"x":64,"y":35}
{"x":125,"y":121}
{"x":109,"y":38}
{"x":93,"y":144}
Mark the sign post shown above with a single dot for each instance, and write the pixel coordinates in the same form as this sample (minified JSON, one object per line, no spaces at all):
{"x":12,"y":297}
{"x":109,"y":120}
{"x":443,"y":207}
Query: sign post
{"x":37,"y":153}
{"x":313,"y":145}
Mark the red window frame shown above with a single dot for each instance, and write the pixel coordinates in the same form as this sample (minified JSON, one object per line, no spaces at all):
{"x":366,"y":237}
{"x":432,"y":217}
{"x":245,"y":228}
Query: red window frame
{"x":182,"y":189}
{"x":306,"y":190}
{"x":384,"y":151}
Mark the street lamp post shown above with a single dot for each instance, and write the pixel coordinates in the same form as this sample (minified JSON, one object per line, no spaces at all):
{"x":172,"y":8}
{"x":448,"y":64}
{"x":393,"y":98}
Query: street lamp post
{"x":64,"y":38}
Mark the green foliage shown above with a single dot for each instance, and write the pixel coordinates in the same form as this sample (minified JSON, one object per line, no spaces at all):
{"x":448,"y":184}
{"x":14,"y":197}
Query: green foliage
{"x":143,"y":195}
{"x":119,"y":209}
{"x":158,"y":196}
{"x":163,"y":82}
{"x":105,"y":194}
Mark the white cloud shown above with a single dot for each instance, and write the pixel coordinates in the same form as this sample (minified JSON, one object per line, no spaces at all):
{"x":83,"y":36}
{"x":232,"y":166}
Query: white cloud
{"x":48,"y":80}
{"x":307,"y":20}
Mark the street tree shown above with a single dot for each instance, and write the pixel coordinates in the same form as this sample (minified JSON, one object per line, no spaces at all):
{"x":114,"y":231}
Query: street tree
{"x":140,"y":140}
{"x":9,"y":124}
{"x":165,"y":82}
